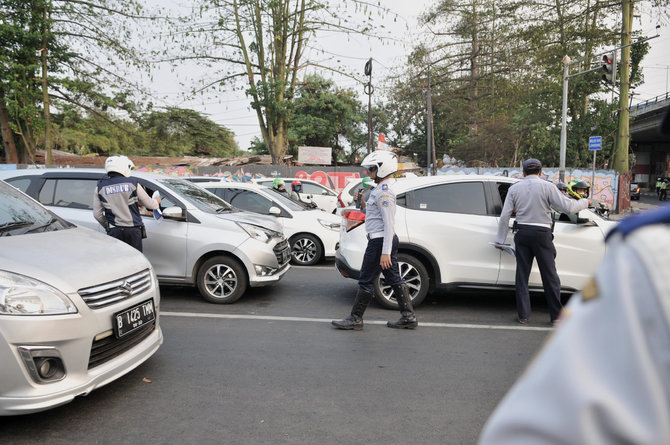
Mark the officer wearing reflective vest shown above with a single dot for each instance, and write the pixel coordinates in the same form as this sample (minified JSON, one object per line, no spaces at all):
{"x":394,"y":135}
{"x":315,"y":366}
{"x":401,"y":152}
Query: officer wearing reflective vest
{"x":532,"y":199}
{"x":381,"y":253}
{"x":115,"y":202}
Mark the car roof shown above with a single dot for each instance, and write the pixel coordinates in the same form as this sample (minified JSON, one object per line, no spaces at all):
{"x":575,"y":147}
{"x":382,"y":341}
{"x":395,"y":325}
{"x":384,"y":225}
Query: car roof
{"x":423,"y":181}
{"x":81,"y":172}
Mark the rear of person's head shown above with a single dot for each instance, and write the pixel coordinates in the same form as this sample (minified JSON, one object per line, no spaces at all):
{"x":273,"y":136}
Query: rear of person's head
{"x":532,"y":166}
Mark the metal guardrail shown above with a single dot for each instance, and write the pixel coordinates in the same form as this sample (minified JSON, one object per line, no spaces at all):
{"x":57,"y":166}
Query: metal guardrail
{"x":659,"y":101}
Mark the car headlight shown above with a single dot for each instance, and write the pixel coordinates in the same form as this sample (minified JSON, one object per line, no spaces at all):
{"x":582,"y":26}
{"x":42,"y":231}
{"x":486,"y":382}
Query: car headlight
{"x":259,"y":233}
{"x":329,"y":224}
{"x":21,"y":295}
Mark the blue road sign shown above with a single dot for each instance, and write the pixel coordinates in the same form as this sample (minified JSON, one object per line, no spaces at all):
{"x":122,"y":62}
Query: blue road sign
{"x":595,"y":142}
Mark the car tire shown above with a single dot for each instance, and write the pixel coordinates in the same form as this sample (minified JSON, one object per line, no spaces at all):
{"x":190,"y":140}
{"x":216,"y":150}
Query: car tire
{"x":306,"y":249}
{"x":416,"y":277}
{"x":221,"y":280}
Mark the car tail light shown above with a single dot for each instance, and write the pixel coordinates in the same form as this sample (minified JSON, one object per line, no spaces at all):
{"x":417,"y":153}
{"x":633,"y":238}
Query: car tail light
{"x":353,"y":219}
{"x":339,"y":200}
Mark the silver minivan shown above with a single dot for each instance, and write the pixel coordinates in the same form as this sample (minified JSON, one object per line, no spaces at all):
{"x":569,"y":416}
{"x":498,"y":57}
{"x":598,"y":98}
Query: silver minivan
{"x":200,"y":240}
{"x":78,"y":309}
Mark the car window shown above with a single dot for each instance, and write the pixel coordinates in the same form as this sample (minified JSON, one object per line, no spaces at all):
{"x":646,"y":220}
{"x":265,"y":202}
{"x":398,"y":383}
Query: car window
{"x":460,"y":197}
{"x":20,"y":183}
{"x":70,"y":193}
{"x":198,"y":196}
{"x":19,"y":214}
{"x":246,"y":200}
{"x":314,"y":189}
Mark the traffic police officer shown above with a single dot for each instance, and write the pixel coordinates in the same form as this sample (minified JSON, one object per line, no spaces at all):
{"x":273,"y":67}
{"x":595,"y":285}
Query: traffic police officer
{"x":532,"y":199}
{"x":115,"y":202}
{"x":604,"y":375}
{"x":381,"y":253}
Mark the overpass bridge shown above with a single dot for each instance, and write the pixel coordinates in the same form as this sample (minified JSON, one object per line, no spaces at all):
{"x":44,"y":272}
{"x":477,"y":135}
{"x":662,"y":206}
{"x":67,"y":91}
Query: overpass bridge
{"x":652,"y":151}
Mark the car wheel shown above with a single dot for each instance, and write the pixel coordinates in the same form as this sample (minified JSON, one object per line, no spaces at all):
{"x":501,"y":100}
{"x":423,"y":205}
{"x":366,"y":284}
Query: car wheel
{"x":416,"y":277}
{"x":305,"y":250}
{"x":221,"y":280}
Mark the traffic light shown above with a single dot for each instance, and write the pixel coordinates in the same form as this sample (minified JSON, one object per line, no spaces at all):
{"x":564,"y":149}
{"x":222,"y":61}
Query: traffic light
{"x":609,"y":66}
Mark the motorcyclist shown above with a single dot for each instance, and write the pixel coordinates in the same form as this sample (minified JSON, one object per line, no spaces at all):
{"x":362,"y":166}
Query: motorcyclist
{"x":578,"y":189}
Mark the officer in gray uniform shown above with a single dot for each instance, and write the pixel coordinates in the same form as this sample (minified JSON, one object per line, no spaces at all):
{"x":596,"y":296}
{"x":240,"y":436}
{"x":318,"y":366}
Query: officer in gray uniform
{"x":115,"y":202}
{"x":604,"y":376}
{"x":532,"y":199}
{"x":381,"y":252}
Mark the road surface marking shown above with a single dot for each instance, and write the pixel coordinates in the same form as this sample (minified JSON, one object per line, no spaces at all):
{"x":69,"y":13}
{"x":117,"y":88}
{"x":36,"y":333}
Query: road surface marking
{"x":328,"y":320}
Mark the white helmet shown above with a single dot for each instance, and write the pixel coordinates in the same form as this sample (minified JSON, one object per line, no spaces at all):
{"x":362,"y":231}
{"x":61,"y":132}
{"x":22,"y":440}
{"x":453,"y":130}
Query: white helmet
{"x":119,"y":164}
{"x":385,"y":161}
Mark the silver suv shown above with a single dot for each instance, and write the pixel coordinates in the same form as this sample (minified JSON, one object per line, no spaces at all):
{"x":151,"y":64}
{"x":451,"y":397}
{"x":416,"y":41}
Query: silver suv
{"x":201,"y":240}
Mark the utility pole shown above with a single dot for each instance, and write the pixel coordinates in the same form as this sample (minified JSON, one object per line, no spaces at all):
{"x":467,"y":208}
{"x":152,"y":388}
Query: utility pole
{"x":429,"y":130}
{"x":564,"y":119}
{"x":369,"y":89}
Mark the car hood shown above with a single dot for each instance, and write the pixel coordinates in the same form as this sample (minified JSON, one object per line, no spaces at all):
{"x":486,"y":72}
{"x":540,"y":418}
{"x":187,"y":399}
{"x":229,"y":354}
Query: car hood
{"x":268,"y":222}
{"x":69,"y":259}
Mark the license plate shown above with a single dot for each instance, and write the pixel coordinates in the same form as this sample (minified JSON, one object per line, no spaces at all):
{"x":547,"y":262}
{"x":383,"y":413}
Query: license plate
{"x":134,"y":318}
{"x":285,"y":255}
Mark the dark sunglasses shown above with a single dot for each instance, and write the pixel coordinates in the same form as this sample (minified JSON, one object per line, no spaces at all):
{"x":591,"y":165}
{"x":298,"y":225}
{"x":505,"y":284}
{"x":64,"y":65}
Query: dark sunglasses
{"x":373,"y":168}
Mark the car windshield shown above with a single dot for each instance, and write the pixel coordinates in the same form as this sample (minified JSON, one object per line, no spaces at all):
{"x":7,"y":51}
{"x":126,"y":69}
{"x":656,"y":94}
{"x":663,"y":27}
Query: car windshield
{"x":19,"y":214}
{"x":285,"y":200}
{"x":198,"y":196}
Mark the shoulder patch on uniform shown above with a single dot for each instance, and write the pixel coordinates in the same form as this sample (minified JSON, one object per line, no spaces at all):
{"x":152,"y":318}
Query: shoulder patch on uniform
{"x":632,"y":223}
{"x":385,"y":203}
{"x":385,"y":186}
{"x":590,"y":290}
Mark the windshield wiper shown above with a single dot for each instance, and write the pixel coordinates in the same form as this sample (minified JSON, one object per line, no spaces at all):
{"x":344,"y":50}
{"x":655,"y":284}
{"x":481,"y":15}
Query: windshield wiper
{"x":223,"y":209}
{"x":8,"y":227}
{"x":42,"y":226}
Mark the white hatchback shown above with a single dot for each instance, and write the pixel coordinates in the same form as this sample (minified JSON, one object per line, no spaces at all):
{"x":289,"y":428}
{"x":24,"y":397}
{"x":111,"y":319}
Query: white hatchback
{"x":312,"y":233}
{"x":445,"y":225}
{"x":78,"y":309}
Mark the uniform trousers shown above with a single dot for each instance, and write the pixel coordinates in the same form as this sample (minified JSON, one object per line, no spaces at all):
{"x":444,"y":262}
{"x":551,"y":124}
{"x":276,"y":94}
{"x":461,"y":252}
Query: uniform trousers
{"x":371,"y":266}
{"x":129,"y":235}
{"x":535,"y":242}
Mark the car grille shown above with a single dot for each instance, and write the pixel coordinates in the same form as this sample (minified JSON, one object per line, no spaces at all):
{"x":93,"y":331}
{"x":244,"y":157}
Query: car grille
{"x":109,"y":293}
{"x":107,"y":348}
{"x":282,"y":258}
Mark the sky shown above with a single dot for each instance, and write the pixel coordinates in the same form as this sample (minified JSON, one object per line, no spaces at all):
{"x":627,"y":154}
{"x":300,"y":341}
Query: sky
{"x":231,"y":108}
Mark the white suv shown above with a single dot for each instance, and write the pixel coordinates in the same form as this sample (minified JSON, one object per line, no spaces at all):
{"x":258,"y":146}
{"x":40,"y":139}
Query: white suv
{"x":445,"y":225}
{"x":312,"y":191}
{"x":200,"y":240}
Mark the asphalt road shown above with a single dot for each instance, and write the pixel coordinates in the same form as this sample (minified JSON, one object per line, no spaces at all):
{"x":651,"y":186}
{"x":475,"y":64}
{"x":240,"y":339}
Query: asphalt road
{"x":270,"y":369}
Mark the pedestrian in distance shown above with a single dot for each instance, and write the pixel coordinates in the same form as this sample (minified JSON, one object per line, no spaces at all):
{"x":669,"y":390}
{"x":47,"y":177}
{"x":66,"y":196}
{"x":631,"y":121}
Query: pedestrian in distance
{"x":381,"y":253}
{"x":663,"y":195}
{"x":533,"y":199}
{"x":115,"y":202}
{"x":659,"y":181}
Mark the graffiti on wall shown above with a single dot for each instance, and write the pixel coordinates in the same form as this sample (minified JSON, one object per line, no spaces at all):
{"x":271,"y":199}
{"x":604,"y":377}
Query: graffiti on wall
{"x":603,"y":189}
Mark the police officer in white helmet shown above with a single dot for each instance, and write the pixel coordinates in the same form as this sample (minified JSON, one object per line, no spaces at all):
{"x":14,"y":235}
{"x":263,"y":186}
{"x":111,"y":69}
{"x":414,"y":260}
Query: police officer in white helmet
{"x":115,"y":202}
{"x":604,"y":375}
{"x":381,"y":253}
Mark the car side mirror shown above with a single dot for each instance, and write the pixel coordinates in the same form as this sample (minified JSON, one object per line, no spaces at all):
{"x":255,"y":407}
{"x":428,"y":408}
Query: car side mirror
{"x":173,"y":212}
{"x":274,"y":211}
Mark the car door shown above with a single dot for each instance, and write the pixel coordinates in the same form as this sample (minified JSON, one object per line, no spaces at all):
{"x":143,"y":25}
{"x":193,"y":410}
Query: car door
{"x":70,"y":198}
{"x":580,"y":245}
{"x":323,"y":197}
{"x":166,"y":244}
{"x":452,"y":221}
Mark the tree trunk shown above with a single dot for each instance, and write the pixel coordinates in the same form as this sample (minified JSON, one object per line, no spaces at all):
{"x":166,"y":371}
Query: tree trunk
{"x":6,"y":134}
{"x":620,"y":161}
{"x":45,"y":88}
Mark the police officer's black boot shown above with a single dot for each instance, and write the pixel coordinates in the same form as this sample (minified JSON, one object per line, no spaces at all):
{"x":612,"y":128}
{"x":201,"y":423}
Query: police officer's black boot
{"x":408,"y":319}
{"x":355,"y":320}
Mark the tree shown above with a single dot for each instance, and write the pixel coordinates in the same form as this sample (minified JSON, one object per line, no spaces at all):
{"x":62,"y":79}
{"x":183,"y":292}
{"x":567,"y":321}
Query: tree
{"x":263,"y":43}
{"x":182,"y":132}
{"x":322,"y":115}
